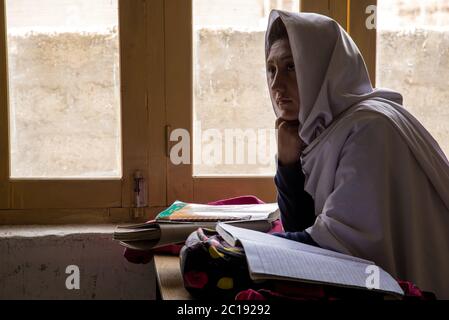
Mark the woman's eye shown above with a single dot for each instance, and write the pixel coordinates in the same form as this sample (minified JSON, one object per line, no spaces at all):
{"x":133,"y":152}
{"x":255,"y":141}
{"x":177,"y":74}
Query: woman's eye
{"x":291,"y":67}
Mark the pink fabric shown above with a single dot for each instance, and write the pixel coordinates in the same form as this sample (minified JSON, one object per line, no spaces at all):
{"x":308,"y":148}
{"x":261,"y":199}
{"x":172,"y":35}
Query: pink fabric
{"x":138,"y":256}
{"x":250,"y":294}
{"x":412,"y":292}
{"x":295,"y":291}
{"x":237,"y":200}
{"x":264,"y":294}
{"x":195,"y":279}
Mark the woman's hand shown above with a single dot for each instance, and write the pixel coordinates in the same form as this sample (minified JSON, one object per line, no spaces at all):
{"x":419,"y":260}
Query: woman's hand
{"x":289,"y":143}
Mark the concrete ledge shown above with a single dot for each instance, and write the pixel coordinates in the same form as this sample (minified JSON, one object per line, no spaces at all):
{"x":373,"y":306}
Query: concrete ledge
{"x":33,"y":231}
{"x":34,"y":261}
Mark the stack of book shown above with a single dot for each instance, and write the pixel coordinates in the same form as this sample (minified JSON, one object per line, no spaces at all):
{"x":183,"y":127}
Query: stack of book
{"x":178,"y":221}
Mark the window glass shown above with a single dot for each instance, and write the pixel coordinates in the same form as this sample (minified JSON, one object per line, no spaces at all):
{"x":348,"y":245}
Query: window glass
{"x":64,"y":89}
{"x":233,"y":116}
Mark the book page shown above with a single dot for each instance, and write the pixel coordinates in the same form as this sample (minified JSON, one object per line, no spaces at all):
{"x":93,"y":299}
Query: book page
{"x":267,"y":262}
{"x":271,"y":257}
{"x":261,"y":237}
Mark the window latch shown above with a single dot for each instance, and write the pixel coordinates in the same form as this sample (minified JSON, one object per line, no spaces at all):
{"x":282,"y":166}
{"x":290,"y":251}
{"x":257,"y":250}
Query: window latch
{"x":140,"y":194}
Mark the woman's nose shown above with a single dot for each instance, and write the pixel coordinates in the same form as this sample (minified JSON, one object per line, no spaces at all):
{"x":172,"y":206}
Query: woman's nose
{"x":278,"y":83}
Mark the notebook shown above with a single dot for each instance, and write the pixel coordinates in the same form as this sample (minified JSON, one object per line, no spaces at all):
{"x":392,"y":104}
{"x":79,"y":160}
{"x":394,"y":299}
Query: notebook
{"x":271,"y":257}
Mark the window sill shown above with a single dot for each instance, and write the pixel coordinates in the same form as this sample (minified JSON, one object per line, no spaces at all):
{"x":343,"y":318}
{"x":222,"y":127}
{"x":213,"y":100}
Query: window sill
{"x":36,"y":231}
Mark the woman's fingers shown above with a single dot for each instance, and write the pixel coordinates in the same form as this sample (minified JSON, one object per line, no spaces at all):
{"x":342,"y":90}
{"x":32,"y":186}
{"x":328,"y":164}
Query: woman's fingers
{"x":278,"y":122}
{"x":289,"y":143}
{"x":291,"y":127}
{"x":288,"y":122}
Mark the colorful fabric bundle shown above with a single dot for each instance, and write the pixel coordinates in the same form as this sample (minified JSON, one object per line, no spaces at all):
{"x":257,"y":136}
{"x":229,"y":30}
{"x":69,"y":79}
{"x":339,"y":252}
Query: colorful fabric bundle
{"x":211,"y":268}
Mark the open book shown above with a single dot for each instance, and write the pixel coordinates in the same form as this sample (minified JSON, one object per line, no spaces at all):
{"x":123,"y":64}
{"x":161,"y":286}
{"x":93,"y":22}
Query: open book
{"x":177,"y":222}
{"x":271,"y":257}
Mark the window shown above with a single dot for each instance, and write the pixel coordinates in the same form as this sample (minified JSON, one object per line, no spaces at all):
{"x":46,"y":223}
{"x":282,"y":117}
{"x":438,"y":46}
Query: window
{"x":413,"y":58}
{"x":193,"y":54}
{"x":81,"y":82}
{"x":406,"y":50}
{"x":233,"y":116}
{"x":64,"y":89}
{"x":202,"y":58}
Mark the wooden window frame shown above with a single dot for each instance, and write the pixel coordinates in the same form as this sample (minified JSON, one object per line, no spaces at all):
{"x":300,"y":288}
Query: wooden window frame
{"x":350,"y":14}
{"x":141,"y":34}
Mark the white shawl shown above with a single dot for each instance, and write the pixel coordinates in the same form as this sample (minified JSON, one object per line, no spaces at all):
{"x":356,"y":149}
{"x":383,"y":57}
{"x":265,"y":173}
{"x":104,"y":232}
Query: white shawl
{"x":380,"y":182}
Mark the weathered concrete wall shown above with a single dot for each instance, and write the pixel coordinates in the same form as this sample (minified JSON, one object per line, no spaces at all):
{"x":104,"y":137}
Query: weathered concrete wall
{"x":33,"y":262}
{"x":395,"y":14}
{"x":231,"y":90}
{"x":417,"y":65}
{"x":65,"y":104}
{"x":252,"y":14}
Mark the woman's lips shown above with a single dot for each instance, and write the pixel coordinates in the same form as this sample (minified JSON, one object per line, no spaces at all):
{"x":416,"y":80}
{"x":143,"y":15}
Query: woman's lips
{"x":283,"y":102}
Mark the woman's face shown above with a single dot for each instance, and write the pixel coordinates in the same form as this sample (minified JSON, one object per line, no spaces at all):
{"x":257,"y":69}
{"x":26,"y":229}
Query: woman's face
{"x":282,"y":81}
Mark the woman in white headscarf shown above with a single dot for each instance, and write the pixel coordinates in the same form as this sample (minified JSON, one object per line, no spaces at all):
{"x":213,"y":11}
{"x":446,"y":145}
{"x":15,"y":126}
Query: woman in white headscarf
{"x":357,"y":173}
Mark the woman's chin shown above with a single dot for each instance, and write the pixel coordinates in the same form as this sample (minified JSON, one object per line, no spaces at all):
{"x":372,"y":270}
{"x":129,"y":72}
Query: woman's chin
{"x":288,"y":117}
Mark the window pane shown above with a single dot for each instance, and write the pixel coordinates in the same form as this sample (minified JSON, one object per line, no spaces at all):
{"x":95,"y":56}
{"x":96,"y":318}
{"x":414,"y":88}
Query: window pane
{"x":413,"y":58}
{"x":64,"y":89}
{"x":233,"y":116}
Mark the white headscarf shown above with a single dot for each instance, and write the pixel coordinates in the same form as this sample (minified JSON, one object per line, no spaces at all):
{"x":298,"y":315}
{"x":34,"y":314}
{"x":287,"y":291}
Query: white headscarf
{"x":379,"y":180}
